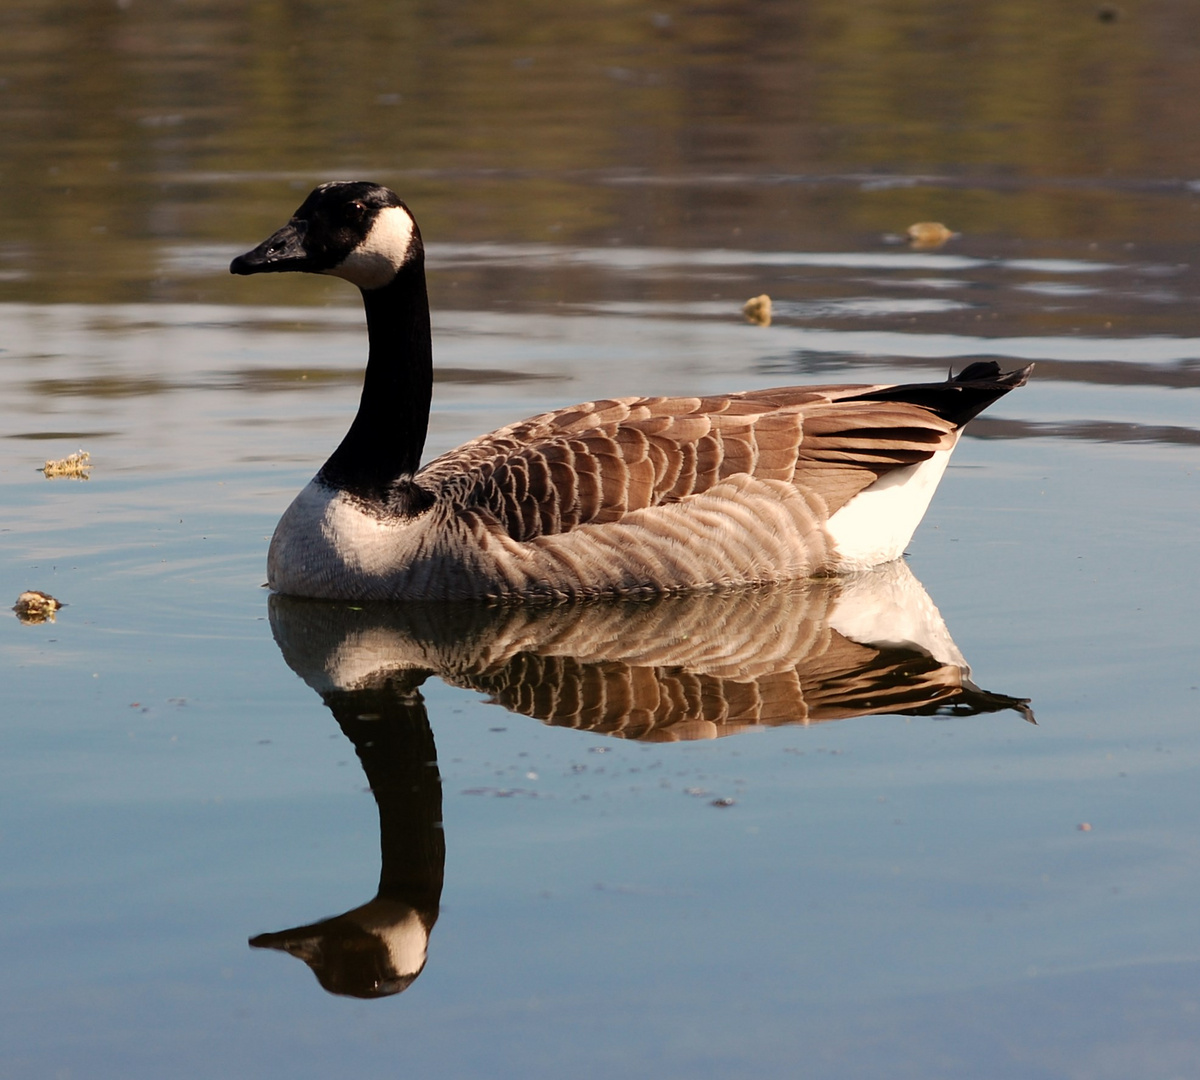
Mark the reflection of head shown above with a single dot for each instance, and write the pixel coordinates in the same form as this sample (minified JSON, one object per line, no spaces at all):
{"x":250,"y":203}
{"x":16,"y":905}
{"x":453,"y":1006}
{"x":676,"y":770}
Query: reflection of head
{"x":374,"y":951}
{"x":379,"y":948}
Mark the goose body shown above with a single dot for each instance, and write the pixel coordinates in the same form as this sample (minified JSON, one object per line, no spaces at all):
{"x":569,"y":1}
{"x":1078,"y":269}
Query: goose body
{"x":620,"y":496}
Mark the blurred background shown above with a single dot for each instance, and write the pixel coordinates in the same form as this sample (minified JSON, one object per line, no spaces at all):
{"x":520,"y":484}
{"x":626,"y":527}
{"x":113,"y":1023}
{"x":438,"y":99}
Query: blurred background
{"x":135,"y":134}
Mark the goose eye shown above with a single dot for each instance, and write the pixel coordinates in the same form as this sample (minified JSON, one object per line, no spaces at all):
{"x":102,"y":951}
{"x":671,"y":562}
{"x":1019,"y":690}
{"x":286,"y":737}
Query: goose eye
{"x":357,"y":210}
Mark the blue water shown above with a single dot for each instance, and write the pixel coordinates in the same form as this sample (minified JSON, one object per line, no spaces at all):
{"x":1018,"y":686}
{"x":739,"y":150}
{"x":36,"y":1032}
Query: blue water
{"x":886,"y":895}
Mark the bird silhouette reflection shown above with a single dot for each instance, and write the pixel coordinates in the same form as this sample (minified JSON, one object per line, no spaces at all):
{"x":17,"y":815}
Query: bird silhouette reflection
{"x":665,"y":669}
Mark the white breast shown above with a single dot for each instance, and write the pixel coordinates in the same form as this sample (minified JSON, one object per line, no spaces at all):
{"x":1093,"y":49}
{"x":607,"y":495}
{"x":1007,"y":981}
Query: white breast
{"x":326,"y":542}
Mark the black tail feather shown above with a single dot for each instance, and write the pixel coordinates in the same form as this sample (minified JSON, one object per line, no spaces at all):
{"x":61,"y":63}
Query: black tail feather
{"x":961,"y":397}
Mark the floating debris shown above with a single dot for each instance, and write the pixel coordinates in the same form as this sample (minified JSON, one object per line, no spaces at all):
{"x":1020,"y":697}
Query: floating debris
{"x":723,"y":802}
{"x":928,"y":234}
{"x":34,"y":606}
{"x":758,"y":310}
{"x":1108,"y":13}
{"x":75,"y":466}
{"x":1084,"y":826}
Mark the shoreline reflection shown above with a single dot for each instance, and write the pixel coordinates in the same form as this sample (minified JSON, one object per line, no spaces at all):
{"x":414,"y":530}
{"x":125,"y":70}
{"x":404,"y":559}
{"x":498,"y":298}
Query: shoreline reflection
{"x":667,"y":669}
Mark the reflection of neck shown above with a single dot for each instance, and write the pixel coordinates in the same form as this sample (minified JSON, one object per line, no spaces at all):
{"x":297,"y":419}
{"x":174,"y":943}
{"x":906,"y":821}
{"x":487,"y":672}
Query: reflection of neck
{"x":391,"y":735}
{"x":388,"y":434}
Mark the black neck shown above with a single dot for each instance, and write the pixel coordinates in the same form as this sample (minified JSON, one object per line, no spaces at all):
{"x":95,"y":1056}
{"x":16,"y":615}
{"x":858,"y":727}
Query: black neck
{"x":385,"y":441}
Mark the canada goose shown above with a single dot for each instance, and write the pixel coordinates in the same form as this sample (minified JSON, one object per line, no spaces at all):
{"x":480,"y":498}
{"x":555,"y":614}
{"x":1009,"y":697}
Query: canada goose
{"x":621,"y":496}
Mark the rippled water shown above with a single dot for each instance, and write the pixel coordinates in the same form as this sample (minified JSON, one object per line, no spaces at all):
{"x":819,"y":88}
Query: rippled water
{"x":845,"y":882}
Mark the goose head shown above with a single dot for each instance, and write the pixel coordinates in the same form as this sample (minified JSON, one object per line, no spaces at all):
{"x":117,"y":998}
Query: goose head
{"x":351,"y":229}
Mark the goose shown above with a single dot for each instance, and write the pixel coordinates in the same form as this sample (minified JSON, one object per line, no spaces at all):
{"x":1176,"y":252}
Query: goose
{"x":622,"y":496}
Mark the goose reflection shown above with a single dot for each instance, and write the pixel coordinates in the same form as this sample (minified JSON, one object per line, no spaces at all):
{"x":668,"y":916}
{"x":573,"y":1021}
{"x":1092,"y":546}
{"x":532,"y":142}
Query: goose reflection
{"x":666,"y":669}
{"x":378,"y":948}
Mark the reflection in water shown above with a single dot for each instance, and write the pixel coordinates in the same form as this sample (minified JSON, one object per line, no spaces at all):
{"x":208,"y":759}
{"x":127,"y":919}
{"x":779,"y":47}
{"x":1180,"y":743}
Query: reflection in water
{"x":379,"y":948}
{"x":664,"y":669}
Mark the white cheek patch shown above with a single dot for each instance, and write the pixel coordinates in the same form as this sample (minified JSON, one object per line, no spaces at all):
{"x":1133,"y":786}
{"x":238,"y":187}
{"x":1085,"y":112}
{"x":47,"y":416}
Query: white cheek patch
{"x":407,"y":944}
{"x":386,"y":248}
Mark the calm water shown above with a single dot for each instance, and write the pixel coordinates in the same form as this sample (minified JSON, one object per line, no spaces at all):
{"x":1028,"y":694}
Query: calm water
{"x":865,"y":894}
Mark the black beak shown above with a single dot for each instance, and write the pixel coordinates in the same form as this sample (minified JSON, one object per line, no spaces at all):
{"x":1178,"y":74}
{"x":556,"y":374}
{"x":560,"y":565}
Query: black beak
{"x":279,"y":252}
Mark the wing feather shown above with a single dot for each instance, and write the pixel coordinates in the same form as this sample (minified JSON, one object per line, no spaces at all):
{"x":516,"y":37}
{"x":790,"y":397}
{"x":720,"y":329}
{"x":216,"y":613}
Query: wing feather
{"x":597,"y":462}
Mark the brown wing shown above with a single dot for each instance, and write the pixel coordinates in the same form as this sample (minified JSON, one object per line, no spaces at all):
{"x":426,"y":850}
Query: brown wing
{"x":596,"y":462}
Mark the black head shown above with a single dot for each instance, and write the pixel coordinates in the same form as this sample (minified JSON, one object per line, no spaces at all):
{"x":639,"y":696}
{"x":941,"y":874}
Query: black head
{"x":351,"y":229}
